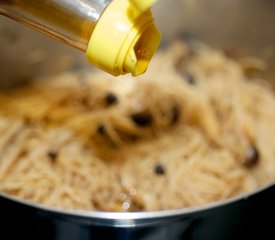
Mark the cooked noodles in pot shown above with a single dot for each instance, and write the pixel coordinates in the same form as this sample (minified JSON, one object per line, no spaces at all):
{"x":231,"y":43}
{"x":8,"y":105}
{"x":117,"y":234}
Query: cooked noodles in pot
{"x":195,"y":129}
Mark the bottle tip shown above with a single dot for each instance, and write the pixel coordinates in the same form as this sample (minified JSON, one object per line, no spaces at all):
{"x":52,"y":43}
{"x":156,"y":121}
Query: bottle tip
{"x":121,"y":44}
{"x":140,"y":55}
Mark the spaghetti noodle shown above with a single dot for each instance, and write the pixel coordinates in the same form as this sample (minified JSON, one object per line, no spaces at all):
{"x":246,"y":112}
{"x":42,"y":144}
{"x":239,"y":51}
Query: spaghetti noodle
{"x":193,"y":130}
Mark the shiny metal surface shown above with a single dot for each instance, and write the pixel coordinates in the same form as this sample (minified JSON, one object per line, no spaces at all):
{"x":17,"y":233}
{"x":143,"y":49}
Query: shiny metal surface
{"x":243,"y":27}
{"x":241,"y":218}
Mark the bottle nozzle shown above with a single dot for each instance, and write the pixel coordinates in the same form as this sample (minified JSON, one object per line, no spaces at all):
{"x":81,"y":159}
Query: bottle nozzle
{"x":140,"y":55}
{"x":125,"y":38}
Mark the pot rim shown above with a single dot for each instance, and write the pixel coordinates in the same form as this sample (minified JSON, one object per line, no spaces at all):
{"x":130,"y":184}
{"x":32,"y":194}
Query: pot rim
{"x":132,"y":219}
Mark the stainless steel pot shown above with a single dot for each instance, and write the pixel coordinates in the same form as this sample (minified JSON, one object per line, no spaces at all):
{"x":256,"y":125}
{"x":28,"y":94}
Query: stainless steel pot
{"x":244,"y":27}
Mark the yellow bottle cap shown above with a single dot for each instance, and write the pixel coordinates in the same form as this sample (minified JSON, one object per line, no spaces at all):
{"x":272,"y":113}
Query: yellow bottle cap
{"x":125,"y":38}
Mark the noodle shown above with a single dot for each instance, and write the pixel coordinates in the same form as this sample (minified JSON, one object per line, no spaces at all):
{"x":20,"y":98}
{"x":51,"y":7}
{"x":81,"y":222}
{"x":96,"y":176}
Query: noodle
{"x":193,"y":130}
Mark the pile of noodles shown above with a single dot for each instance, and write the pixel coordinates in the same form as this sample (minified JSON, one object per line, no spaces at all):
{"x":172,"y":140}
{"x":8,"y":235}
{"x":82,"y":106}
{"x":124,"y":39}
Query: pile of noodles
{"x":193,"y":130}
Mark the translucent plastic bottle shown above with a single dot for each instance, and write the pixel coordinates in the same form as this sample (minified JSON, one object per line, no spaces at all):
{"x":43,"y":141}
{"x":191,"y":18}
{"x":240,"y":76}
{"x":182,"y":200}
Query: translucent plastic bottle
{"x":118,"y":36}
